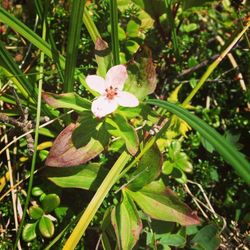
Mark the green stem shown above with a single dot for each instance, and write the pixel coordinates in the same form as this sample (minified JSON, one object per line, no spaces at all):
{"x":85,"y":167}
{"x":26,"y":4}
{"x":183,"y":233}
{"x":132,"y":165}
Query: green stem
{"x":33,"y":163}
{"x":114,"y":31}
{"x":96,"y":201}
{"x":90,"y":25}
{"x":212,"y":67}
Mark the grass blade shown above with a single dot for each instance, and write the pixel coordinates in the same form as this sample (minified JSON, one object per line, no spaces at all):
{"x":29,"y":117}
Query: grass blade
{"x":11,"y":70}
{"x":72,"y":44}
{"x":114,"y":31}
{"x":225,"y":149}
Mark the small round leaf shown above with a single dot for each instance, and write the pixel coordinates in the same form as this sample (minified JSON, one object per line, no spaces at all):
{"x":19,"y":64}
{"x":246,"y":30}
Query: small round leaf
{"x":29,"y":232}
{"x":35,"y":212}
{"x":46,"y":227}
{"x":37,"y":191}
{"x":50,"y":202}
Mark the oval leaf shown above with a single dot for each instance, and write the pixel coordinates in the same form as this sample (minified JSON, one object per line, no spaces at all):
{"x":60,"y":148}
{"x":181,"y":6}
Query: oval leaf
{"x":63,"y":152}
{"x":35,"y":212}
{"x":50,"y":202}
{"x":161,"y":203}
{"x":67,"y":100}
{"x":29,"y":232}
{"x":148,"y":169}
{"x":88,"y":176}
{"x":119,"y":127}
{"x":46,"y":227}
{"x":126,"y":222}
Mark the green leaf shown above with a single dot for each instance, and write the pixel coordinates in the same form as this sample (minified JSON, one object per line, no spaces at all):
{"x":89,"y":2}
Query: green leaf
{"x":160,"y":203}
{"x":194,"y":3}
{"x":103,"y":57}
{"x":142,"y":77}
{"x":87,"y":176}
{"x":89,"y":128}
{"x":29,"y":232}
{"x":175,"y":240}
{"x":50,"y":202}
{"x":132,"y":29}
{"x":73,"y":43}
{"x":132,"y":46}
{"x":37,"y":191}
{"x":207,"y":238}
{"x":228,"y":151}
{"x":12,"y":71}
{"x":68,"y":100}
{"x":126,"y":223}
{"x":119,"y":127}
{"x":189,"y":27}
{"x":148,"y":169}
{"x":63,"y":152}
{"x":36,"y":212}
{"x":46,"y":227}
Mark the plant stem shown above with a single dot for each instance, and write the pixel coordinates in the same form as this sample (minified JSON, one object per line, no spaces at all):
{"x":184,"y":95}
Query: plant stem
{"x":96,"y":201}
{"x":114,"y":31}
{"x":38,"y":114}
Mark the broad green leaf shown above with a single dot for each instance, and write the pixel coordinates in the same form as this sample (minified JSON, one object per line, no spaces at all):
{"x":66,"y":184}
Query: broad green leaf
{"x":160,"y":203}
{"x":228,"y":151}
{"x":50,"y":202}
{"x":63,"y":152}
{"x":89,"y":128}
{"x":207,"y":238}
{"x":87,"y":176}
{"x":189,"y":27}
{"x":148,"y":169}
{"x":29,"y":232}
{"x":36,"y":212}
{"x":67,"y":100}
{"x":142,"y":76}
{"x":175,"y":240}
{"x":126,"y":223}
{"x":103,"y":57}
{"x":119,"y":127}
{"x":46,"y":227}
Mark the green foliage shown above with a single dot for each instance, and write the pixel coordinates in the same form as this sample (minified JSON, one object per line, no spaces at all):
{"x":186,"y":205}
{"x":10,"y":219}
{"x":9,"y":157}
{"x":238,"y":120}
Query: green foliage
{"x":114,"y":176}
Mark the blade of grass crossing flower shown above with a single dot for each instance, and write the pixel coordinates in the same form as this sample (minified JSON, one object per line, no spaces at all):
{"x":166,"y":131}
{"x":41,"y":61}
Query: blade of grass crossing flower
{"x":114,"y":31}
{"x":34,"y":157}
{"x":225,"y":149}
{"x":213,"y":66}
{"x":90,"y":25}
{"x":72,"y":44}
{"x":96,"y":201}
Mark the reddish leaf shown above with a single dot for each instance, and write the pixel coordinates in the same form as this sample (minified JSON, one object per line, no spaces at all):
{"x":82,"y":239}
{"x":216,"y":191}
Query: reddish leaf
{"x":161,"y":203}
{"x":64,"y":154}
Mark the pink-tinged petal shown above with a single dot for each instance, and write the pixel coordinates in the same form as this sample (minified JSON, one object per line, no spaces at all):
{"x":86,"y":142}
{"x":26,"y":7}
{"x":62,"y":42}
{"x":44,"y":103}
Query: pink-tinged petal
{"x":126,"y":99}
{"x":96,"y":83}
{"x":116,"y":76}
{"x":103,"y":106}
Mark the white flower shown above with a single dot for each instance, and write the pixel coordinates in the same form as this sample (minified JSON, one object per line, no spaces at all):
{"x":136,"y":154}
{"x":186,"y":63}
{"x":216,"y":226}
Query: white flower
{"x":111,"y":91}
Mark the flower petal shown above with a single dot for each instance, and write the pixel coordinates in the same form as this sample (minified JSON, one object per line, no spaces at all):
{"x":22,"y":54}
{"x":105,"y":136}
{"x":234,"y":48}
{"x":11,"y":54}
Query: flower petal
{"x":126,"y":99}
{"x":116,"y":76}
{"x":96,"y":83}
{"x":103,"y":106}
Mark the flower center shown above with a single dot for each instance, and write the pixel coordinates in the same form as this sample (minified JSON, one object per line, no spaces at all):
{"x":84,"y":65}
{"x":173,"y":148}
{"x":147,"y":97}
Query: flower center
{"x":111,"y":92}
